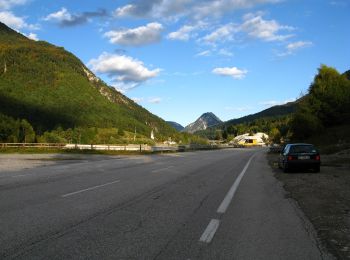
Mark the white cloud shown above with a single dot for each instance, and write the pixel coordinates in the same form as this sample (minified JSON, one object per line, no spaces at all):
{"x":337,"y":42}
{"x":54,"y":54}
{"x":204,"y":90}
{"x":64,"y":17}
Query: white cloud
{"x":155,"y":100}
{"x":253,"y":25}
{"x":339,"y":3}
{"x":152,"y":100}
{"x":159,"y":9}
{"x":220,"y":52}
{"x":126,"y":72}
{"x":61,"y":15}
{"x":204,"y":53}
{"x":137,"y":100}
{"x":142,"y":35}
{"x":224,"y":52}
{"x":8,"y":4}
{"x":223,"y":33}
{"x":65,"y":19}
{"x":298,"y":45}
{"x":231,"y":72}
{"x":15,"y":22}
{"x":219,"y":8}
{"x":271,"y":103}
{"x":293,"y":47}
{"x":32,"y":36}
{"x":183,"y":34}
{"x":267,"y":30}
{"x":197,"y":9}
{"x":123,"y":11}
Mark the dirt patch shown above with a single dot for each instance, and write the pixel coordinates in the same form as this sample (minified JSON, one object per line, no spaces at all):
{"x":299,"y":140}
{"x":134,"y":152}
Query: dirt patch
{"x":324,"y":198}
{"x":18,"y":162}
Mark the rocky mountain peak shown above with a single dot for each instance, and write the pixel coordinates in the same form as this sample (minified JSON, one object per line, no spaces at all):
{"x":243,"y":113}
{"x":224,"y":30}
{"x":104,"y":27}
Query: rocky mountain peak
{"x":203,"y":122}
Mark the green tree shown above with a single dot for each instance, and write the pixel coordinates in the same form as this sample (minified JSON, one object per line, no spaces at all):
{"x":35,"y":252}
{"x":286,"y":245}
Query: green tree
{"x":26,"y":132}
{"x":275,"y":135}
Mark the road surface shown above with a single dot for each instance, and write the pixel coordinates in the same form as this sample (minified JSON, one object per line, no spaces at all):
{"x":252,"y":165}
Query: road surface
{"x":222,"y":204}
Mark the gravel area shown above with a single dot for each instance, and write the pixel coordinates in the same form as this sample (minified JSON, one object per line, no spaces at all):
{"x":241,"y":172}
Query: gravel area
{"x":18,"y":162}
{"x":324,"y":198}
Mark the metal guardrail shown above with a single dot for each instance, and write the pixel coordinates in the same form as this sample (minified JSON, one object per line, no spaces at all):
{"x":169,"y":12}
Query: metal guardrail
{"x":32,"y":145}
{"x":123,"y":147}
{"x":101,"y":147}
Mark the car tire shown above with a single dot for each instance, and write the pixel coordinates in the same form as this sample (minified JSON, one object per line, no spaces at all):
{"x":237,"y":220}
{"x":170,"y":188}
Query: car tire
{"x":317,"y":169}
{"x":285,"y":168}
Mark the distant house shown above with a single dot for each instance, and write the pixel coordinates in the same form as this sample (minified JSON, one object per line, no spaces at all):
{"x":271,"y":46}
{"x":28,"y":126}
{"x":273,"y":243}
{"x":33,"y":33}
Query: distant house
{"x":257,"y":139}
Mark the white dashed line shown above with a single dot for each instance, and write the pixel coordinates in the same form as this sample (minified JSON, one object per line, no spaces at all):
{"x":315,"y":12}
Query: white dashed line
{"x":213,"y":225}
{"x":229,"y":196}
{"x":88,"y":189}
{"x":210,"y":231}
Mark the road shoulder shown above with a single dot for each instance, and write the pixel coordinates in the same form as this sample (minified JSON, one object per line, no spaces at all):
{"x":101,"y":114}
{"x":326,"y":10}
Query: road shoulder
{"x":324,"y":198}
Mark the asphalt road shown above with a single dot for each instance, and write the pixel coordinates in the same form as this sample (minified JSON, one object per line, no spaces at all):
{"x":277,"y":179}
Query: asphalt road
{"x":203,"y":205}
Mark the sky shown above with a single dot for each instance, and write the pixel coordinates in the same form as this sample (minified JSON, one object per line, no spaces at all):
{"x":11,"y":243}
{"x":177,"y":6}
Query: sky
{"x":182,"y":58}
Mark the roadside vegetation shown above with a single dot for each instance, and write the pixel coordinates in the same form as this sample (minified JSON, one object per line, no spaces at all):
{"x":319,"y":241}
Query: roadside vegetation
{"x":323,"y":118}
{"x":48,"y":95}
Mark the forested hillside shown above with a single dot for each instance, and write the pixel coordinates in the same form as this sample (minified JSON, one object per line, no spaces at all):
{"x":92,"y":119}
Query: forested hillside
{"x":324,"y":110}
{"x":326,"y":105}
{"x":47,"y":94}
{"x":273,"y":121}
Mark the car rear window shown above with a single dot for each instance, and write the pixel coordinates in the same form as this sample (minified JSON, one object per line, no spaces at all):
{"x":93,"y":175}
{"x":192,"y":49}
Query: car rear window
{"x":302,"y":149}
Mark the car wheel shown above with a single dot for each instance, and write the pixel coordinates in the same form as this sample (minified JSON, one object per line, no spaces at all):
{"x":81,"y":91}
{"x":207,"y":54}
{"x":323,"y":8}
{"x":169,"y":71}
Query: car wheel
{"x":285,"y":168}
{"x":317,"y":169}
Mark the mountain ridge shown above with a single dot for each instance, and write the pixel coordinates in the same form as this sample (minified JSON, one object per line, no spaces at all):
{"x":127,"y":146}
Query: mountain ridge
{"x":278,"y":110}
{"x":206,"y":120}
{"x":176,"y":125}
{"x":50,"y":87}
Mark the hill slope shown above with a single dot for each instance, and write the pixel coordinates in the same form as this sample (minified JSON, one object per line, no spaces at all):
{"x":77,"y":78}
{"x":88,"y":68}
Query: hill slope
{"x":203,"y":122}
{"x":50,"y":87}
{"x":264,"y":121}
{"x":177,"y":126}
{"x":274,"y":111}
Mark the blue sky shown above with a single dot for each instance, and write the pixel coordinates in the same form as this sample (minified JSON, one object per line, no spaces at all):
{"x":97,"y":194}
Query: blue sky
{"x":181,"y":58}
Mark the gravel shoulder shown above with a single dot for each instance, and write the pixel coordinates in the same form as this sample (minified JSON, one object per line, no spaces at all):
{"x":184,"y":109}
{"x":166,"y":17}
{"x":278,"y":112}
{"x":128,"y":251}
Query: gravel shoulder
{"x":324,"y":198}
{"x":18,"y":162}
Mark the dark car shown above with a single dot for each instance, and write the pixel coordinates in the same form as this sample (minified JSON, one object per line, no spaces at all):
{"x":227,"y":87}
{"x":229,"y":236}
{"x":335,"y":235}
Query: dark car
{"x":299,"y":156}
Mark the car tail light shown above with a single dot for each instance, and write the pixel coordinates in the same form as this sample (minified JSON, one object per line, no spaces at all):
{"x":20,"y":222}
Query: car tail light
{"x":317,"y":158}
{"x":290,"y":158}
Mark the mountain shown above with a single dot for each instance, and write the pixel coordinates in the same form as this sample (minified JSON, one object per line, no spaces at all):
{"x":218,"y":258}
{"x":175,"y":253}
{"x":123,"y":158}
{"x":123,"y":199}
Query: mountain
{"x":203,"y":122}
{"x":177,"y":126}
{"x":275,"y":111}
{"x":51,"y":89}
{"x":264,"y":121}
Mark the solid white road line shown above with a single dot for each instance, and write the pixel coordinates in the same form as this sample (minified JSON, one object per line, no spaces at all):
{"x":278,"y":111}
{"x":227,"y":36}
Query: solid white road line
{"x":88,"y":189}
{"x":229,"y":196}
{"x":210,"y":231}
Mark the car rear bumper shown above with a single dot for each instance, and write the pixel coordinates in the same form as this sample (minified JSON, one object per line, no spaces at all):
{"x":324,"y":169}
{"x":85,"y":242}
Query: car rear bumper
{"x":303,"y":164}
